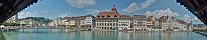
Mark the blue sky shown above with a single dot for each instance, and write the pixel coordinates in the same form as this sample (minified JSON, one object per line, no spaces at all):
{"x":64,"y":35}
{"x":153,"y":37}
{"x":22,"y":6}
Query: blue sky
{"x":59,"y":8}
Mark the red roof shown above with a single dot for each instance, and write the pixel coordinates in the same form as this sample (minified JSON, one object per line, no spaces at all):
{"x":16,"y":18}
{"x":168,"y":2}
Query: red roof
{"x":125,"y":16}
{"x":108,"y":15}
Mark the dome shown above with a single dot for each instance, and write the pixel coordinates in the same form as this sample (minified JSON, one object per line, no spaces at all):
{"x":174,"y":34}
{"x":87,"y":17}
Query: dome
{"x":114,"y":8}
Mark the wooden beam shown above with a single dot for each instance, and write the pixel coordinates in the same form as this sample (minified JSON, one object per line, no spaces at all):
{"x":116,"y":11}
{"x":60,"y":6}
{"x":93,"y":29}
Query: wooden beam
{"x":202,"y":7}
{"x":196,"y":2}
{"x":188,"y":3}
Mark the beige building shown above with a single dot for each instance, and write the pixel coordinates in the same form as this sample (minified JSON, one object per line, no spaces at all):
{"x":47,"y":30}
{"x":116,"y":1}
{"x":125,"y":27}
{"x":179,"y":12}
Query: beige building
{"x":112,"y":20}
{"x":13,"y":19}
{"x":139,"y":22}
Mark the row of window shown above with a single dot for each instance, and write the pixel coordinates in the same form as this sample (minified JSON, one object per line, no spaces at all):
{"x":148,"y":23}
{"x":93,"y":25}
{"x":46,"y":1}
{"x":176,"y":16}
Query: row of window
{"x":123,"y":22}
{"x":107,"y":16}
{"x":107,"y":24}
{"x":106,"y":20}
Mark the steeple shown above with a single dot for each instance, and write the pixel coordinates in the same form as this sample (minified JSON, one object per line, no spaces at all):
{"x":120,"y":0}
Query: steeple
{"x":114,"y":9}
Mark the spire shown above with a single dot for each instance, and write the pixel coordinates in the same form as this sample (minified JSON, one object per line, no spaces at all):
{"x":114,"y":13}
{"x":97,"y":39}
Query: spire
{"x":114,"y":9}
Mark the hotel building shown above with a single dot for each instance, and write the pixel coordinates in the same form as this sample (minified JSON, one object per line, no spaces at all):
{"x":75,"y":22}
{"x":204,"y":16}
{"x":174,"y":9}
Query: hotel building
{"x":112,"y":20}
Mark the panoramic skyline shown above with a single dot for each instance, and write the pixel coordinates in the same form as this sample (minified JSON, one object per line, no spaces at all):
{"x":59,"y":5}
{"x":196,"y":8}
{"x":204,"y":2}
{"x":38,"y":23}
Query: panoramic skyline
{"x":59,"y":8}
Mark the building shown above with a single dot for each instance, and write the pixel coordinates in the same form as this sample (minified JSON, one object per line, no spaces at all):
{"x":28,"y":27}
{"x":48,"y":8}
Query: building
{"x":124,"y":22}
{"x":108,"y":20}
{"x":152,"y":22}
{"x":13,"y":19}
{"x":90,"y":21}
{"x":58,"y":22}
{"x":163,"y":23}
{"x":28,"y":22}
{"x":84,"y":22}
{"x":139,"y":22}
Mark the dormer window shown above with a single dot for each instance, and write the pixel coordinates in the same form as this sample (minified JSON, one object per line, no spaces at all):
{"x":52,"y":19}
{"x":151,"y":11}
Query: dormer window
{"x":108,"y":16}
{"x":98,"y":16}
{"x":115,"y":16}
{"x":103,"y":16}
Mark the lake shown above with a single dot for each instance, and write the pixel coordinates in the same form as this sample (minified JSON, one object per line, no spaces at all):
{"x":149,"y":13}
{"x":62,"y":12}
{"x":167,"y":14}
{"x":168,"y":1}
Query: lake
{"x":55,"y":34}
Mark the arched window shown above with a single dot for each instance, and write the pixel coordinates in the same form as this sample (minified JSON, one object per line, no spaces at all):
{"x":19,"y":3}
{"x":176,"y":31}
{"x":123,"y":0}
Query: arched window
{"x":108,"y":16}
{"x":115,"y":16}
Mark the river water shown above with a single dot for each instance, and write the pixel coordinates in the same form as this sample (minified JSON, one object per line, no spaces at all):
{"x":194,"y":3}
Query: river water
{"x":48,"y":34}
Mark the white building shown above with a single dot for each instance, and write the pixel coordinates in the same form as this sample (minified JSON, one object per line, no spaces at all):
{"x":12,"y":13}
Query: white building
{"x":124,"y":22}
{"x":139,"y":22}
{"x":13,"y":19}
{"x":90,"y":21}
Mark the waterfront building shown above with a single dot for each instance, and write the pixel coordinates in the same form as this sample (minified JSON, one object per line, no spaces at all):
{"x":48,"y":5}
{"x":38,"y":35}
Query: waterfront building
{"x":90,"y":21}
{"x":84,"y":22}
{"x":139,"y":22}
{"x":13,"y":19}
{"x":151,"y":22}
{"x":108,"y":20}
{"x":28,"y":22}
{"x":59,"y":22}
{"x":169,"y":23}
{"x":163,"y":23}
{"x":182,"y":25}
{"x":124,"y":22}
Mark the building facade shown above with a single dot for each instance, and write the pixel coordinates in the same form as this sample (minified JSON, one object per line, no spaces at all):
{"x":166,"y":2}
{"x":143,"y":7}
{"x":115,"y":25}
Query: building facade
{"x":139,"y":22}
{"x":83,"y":22}
{"x":124,"y":22}
{"x":112,"y":20}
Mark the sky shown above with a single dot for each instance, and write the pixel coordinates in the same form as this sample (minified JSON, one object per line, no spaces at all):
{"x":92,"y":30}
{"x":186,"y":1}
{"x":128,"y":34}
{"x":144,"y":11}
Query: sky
{"x":60,"y":8}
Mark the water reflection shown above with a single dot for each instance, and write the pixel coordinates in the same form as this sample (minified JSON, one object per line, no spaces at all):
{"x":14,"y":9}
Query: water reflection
{"x":2,"y":36}
{"x":101,"y":35}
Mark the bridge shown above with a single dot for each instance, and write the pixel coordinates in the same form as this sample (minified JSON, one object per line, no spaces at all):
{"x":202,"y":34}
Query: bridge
{"x":196,"y":7}
{"x":8,"y":8}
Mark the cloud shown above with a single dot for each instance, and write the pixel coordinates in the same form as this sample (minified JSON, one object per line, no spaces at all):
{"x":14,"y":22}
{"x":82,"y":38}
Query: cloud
{"x":26,"y":14}
{"x":195,"y":19}
{"x":92,"y":11}
{"x":80,"y":3}
{"x":147,"y":3}
{"x":186,"y":18}
{"x":159,"y":13}
{"x":133,"y":7}
{"x":64,"y":14}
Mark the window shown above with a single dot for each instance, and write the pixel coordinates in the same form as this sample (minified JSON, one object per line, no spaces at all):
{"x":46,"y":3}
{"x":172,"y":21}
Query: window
{"x":103,"y":16}
{"x":108,"y":16}
{"x":98,"y":16}
{"x":115,"y":16}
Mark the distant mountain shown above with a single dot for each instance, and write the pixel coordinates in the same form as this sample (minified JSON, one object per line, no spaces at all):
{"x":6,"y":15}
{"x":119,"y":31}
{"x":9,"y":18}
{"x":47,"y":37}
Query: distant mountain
{"x":38,"y":19}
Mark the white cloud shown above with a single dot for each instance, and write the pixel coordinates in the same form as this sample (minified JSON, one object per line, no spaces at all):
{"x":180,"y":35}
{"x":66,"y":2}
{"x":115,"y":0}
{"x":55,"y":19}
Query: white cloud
{"x":80,"y":3}
{"x":133,"y":7}
{"x":26,"y":14}
{"x":147,"y":3}
{"x":186,"y":18}
{"x":64,"y":14}
{"x":159,"y":13}
{"x":92,"y":11}
{"x":195,"y":19}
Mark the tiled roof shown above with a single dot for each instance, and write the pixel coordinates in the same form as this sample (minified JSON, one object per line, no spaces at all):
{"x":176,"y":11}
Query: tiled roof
{"x":108,"y":15}
{"x":125,"y":16}
{"x":139,"y":16}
